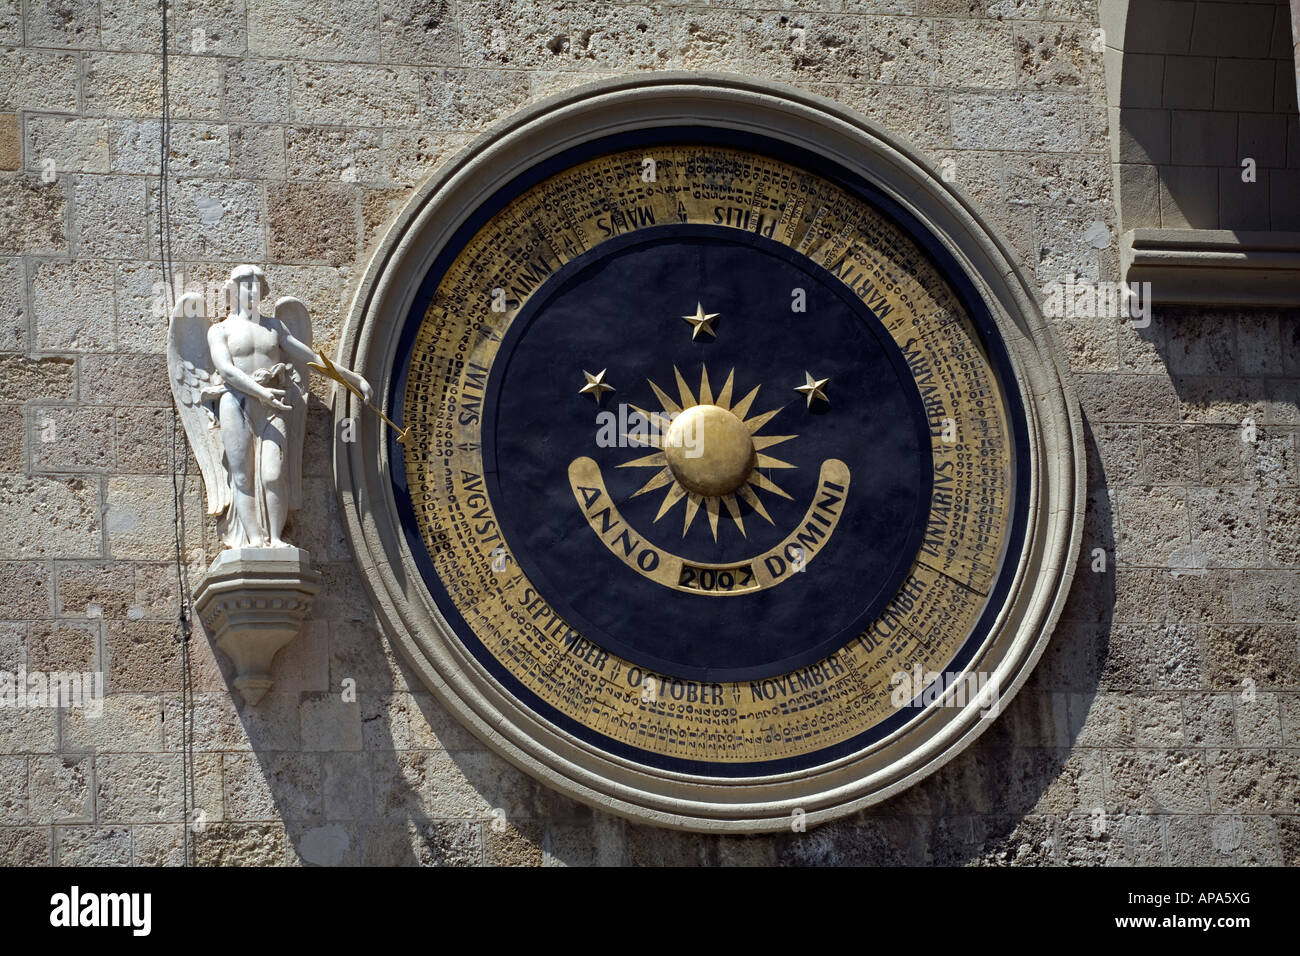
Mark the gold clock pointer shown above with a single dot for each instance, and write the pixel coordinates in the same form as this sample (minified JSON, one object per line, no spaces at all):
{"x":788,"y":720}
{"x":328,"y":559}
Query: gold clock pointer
{"x":328,"y":369}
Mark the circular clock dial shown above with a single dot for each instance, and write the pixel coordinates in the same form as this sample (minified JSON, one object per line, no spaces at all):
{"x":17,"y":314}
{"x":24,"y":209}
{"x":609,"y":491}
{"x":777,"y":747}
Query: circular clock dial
{"x":703,"y":451}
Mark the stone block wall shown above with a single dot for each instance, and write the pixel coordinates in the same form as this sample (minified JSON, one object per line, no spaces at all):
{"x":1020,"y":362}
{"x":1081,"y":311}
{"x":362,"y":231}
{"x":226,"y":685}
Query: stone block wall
{"x":1207,"y":86}
{"x":301,"y":126}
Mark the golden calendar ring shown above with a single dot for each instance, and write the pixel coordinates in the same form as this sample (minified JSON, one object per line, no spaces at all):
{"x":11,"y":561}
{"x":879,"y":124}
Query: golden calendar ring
{"x":727,"y":491}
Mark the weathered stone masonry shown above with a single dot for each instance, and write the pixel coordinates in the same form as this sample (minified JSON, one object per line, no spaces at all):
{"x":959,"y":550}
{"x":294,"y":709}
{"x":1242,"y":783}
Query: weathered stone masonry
{"x":300,"y":128}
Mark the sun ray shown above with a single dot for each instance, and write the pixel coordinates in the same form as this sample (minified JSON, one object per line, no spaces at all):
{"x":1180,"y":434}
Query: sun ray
{"x":767,"y":441}
{"x":733,"y":508}
{"x":767,"y":461}
{"x":657,"y":420}
{"x":724,"y":397}
{"x":692,"y":508}
{"x":760,"y":480}
{"x":751,"y":499}
{"x":654,"y":460}
{"x":706,"y":393}
{"x":758,"y":421}
{"x":688,"y":400}
{"x":711,"y":508}
{"x":675,"y":494}
{"x":658,"y":481}
{"x":669,"y":405}
{"x":741,"y":408}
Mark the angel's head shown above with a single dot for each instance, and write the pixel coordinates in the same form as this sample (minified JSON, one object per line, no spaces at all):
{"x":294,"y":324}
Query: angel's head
{"x":246,"y":288}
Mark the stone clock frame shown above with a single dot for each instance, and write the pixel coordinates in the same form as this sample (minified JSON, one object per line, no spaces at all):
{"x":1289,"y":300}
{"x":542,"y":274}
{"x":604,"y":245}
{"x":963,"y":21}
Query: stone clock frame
{"x":1056,"y":484}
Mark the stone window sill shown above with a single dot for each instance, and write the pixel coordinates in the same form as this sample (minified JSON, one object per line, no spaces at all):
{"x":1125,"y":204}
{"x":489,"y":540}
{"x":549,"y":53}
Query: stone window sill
{"x":1214,"y":266}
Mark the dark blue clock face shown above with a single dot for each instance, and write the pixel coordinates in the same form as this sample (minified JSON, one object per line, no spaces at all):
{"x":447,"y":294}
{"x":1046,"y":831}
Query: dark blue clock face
{"x":777,"y":319}
{"x":690,"y":496}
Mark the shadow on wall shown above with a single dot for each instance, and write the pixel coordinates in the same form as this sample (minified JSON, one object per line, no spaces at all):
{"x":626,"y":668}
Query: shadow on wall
{"x":1220,"y":409}
{"x":1205,"y":88}
{"x":387,"y":779}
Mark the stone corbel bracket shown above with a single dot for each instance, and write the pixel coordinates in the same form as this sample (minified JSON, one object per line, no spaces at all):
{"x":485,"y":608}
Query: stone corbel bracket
{"x":253,"y":601}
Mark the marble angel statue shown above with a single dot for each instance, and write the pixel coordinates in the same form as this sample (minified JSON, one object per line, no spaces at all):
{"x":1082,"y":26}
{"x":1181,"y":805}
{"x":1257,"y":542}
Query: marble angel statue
{"x":240,"y":383}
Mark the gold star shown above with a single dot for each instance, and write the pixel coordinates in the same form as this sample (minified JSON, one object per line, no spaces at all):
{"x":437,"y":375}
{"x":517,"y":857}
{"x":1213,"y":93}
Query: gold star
{"x":596,"y":385}
{"x":701,"y":321}
{"x":813,"y":388}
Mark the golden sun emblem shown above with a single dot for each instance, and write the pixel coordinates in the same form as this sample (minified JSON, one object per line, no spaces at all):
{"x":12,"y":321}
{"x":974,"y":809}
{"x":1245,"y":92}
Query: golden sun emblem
{"x":709,"y":452}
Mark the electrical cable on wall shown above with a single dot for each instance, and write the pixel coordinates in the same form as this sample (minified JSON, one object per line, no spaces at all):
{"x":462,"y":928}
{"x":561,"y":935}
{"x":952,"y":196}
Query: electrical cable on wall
{"x":183,"y":618}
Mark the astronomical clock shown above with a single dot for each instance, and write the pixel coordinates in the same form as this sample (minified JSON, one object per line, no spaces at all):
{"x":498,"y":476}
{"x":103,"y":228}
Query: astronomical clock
{"x":734,"y":485}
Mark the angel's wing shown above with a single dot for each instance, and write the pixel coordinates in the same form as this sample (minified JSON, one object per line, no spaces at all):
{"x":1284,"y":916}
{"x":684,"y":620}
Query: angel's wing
{"x":195,"y":385}
{"x":293,"y":315}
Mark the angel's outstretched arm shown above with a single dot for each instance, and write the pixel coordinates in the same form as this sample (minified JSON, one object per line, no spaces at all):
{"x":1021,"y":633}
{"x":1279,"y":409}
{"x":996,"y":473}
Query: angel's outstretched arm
{"x":302,"y":352}
{"x":234,"y":376}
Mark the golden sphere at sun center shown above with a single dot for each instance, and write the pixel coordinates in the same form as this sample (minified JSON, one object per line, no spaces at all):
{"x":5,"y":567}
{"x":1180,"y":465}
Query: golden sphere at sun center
{"x":709,"y":451}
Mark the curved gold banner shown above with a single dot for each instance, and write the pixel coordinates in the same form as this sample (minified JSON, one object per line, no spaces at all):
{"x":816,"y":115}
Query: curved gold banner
{"x":765,"y":570}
